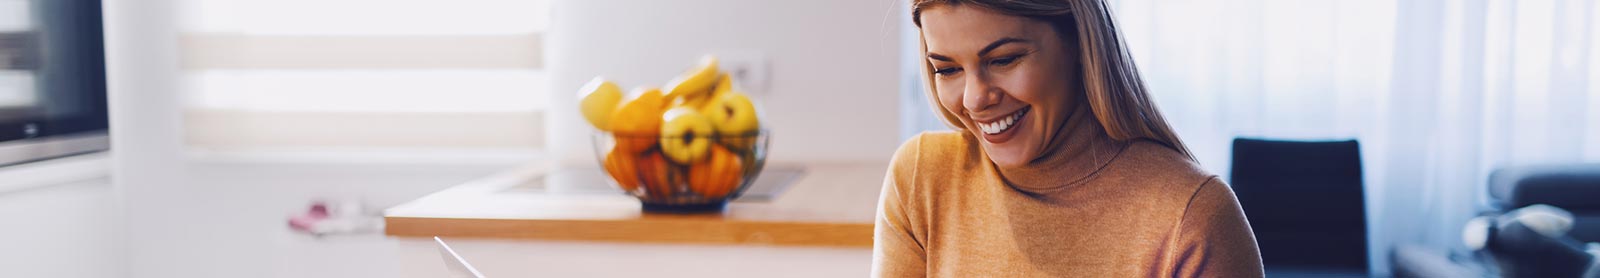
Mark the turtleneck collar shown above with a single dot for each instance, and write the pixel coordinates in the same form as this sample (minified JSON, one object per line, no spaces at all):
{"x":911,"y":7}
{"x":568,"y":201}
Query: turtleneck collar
{"x":1075,"y":153}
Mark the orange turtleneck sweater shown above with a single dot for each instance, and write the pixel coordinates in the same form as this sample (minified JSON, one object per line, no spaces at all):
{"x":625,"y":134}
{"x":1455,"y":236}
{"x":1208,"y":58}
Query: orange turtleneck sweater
{"x":1090,"y":206}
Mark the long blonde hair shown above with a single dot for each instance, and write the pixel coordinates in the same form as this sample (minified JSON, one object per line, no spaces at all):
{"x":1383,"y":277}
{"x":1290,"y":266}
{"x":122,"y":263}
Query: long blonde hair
{"x":1115,"y":92}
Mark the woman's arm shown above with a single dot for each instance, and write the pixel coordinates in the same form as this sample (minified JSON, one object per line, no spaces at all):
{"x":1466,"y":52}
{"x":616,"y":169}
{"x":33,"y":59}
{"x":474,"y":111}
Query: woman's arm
{"x":1214,"y":239}
{"x":896,"y":252}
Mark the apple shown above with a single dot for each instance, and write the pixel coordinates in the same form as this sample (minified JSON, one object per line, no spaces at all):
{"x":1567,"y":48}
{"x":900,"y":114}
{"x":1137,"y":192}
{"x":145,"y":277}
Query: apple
{"x":733,"y":115}
{"x":685,"y":135}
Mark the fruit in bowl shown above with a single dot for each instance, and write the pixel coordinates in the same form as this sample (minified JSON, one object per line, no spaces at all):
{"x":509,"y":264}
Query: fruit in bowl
{"x":718,"y":174}
{"x":683,"y":131}
{"x":599,"y":99}
{"x":640,"y":114}
{"x":663,"y":184}
{"x":692,"y":146}
{"x":733,"y":115}
{"x":623,"y":167}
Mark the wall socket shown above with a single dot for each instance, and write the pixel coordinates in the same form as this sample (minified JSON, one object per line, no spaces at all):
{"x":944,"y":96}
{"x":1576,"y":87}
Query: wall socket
{"x":749,"y":70}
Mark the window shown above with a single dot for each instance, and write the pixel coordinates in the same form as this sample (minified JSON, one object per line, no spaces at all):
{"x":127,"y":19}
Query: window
{"x":363,"y":73}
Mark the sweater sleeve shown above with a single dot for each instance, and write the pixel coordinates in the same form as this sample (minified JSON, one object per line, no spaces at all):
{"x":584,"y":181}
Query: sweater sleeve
{"x":896,"y":252}
{"x":1213,"y":238}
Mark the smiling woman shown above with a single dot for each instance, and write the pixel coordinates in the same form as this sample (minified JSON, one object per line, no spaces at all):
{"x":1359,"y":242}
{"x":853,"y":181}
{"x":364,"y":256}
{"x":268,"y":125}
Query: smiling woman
{"x":1061,"y":165}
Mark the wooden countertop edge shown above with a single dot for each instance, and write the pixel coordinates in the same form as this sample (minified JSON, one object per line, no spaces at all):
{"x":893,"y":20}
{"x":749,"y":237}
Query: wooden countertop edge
{"x":666,"y":230}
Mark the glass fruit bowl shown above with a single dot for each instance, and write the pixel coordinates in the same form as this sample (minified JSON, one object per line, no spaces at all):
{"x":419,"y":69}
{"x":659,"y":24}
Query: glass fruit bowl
{"x":692,"y":173}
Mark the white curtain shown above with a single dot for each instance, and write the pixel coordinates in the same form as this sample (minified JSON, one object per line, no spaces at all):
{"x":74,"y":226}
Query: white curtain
{"x":1439,"y":93}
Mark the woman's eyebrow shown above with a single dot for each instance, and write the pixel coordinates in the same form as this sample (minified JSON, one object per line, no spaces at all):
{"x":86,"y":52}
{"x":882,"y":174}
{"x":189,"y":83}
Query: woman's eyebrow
{"x":998,"y":43}
{"x":985,"y":51}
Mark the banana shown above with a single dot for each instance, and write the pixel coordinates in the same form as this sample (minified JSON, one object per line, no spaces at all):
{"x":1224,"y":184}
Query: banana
{"x":724,"y":85}
{"x":597,"y":100}
{"x":701,"y":101}
{"x":694,"y":82}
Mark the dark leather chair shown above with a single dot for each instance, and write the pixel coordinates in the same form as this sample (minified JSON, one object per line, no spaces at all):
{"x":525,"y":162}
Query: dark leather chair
{"x":1306,"y":204}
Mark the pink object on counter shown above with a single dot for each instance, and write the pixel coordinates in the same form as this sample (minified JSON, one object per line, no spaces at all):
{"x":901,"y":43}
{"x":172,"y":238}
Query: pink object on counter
{"x":344,"y":217}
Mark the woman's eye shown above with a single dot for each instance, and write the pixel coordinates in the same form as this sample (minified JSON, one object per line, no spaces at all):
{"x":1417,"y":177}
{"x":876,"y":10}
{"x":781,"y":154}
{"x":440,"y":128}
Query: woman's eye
{"x":1004,"y":61}
{"x":946,"y":71}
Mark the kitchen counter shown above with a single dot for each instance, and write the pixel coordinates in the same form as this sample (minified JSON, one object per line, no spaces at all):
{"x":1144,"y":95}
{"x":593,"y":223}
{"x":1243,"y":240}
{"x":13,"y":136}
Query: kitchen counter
{"x":829,"y":205}
{"x":226,"y":219}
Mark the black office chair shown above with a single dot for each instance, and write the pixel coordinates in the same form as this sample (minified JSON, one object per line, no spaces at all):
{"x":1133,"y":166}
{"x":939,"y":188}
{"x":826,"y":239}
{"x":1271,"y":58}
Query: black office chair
{"x":1305,"y":203}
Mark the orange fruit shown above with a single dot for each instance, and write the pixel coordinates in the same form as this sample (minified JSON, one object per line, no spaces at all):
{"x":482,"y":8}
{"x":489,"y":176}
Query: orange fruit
{"x":718,"y":175}
{"x":637,"y":122}
{"x":659,"y":176}
{"x":623,"y":168}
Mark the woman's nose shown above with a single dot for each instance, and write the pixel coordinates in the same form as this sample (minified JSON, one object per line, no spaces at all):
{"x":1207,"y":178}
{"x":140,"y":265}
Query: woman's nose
{"x":980,"y":93}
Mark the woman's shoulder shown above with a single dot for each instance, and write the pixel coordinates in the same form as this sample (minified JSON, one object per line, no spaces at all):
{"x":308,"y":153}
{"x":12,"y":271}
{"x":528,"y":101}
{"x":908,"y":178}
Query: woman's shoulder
{"x":1157,"y":158}
{"x":941,"y":139}
{"x":1162,"y":168}
{"x":941,"y":146}
{"x":936,"y":152}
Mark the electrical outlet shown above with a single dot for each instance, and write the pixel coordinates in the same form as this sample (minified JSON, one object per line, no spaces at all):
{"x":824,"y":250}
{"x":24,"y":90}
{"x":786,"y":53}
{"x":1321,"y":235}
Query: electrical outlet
{"x":748,"y":68}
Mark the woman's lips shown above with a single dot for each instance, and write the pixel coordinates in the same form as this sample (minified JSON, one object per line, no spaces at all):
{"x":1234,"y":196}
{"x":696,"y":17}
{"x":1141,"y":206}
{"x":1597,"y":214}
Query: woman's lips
{"x":1000,"y":131}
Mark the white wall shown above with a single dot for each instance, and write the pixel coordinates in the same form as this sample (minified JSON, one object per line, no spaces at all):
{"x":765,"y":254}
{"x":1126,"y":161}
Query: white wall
{"x":65,"y":230}
{"x":832,"y":66}
{"x":146,"y":132}
{"x":80,"y":229}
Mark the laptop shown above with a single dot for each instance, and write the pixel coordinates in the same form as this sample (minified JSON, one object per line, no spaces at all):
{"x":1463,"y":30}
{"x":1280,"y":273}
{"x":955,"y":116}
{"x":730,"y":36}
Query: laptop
{"x":454,"y":262}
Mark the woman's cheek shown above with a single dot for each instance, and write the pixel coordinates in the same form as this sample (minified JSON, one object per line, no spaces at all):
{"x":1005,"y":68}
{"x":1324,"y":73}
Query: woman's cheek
{"x":1015,"y":83}
{"x":950,"y":97}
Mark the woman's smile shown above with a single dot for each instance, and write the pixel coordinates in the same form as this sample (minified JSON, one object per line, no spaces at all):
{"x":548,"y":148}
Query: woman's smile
{"x":1001,"y":129}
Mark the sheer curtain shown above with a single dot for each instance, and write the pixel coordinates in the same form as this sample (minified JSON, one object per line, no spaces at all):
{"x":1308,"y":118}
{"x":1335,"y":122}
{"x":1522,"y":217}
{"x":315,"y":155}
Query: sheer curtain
{"x":1439,"y":93}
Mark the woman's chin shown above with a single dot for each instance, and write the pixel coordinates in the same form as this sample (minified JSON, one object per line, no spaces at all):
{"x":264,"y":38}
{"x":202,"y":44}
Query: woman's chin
{"x":1009,"y":153}
{"x":1006,"y":155}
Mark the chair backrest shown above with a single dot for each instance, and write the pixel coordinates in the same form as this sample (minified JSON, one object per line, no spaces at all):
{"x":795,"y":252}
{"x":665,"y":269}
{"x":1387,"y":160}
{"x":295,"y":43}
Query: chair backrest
{"x":1305,"y":202}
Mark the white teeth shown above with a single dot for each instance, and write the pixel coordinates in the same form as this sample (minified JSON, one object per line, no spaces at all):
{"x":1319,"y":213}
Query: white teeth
{"x":999,"y":126}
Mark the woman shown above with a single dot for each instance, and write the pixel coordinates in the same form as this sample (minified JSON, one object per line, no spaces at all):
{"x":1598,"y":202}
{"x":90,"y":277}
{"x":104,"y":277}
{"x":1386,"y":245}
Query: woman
{"x":1061,"y":165}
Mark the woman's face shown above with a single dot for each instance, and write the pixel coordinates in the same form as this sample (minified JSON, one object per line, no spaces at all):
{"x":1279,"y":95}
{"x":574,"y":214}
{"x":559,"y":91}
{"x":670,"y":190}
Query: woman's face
{"x":1010,"y":80}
